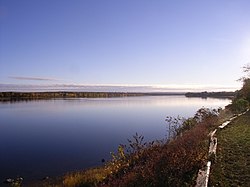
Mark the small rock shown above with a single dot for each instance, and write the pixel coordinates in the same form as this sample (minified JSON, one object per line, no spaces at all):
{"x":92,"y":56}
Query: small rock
{"x":19,"y":179}
{"x":46,"y":178}
{"x":9,"y":180}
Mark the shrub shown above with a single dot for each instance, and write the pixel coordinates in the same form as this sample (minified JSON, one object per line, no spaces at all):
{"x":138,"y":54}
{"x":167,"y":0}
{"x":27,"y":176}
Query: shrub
{"x":239,"y":105}
{"x":167,"y":163}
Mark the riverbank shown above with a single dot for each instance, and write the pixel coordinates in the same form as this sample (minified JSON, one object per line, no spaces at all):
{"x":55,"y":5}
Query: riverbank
{"x":232,"y":164}
{"x":172,"y":162}
{"x":165,"y":161}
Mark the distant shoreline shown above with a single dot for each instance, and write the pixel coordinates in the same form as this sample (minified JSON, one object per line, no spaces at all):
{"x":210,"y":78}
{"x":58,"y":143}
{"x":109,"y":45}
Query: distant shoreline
{"x":16,"y":96}
{"x":212,"y":94}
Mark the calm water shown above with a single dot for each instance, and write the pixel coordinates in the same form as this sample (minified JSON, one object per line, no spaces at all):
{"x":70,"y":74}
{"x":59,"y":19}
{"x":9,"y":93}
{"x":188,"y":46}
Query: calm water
{"x":51,"y":137}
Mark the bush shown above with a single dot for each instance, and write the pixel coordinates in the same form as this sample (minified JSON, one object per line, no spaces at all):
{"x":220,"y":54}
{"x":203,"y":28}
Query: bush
{"x":239,"y":105}
{"x":174,"y":161}
{"x":170,"y":163}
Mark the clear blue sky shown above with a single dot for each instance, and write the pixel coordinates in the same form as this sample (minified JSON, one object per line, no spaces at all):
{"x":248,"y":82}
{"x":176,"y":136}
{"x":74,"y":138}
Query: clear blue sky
{"x":129,"y":42}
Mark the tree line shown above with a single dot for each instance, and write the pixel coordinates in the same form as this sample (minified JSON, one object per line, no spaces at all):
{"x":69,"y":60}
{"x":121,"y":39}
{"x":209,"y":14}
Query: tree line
{"x":49,"y":95}
{"x":211,"y":94}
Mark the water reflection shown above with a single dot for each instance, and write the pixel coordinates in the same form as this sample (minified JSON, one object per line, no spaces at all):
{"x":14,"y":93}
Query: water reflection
{"x":50,"y":137}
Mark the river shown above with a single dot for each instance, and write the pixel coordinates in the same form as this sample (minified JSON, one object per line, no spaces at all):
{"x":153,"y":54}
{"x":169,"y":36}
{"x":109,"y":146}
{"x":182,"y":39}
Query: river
{"x":51,"y":137}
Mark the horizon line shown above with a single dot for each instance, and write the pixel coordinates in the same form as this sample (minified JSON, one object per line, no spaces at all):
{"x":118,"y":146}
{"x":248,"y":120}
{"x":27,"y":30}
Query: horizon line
{"x":116,"y":87}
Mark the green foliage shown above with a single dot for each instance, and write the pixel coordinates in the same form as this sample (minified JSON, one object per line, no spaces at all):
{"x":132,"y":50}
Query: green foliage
{"x":242,"y":98}
{"x":187,"y":125}
{"x":245,"y":90}
{"x":202,"y":114}
{"x":205,"y":113}
{"x":239,"y":105}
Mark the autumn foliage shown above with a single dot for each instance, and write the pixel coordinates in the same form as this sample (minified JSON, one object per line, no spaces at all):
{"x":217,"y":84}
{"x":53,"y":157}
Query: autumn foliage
{"x":171,"y":162}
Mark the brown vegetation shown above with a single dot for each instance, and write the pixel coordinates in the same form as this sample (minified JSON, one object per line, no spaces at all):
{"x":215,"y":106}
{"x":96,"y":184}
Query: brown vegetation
{"x":170,"y":162}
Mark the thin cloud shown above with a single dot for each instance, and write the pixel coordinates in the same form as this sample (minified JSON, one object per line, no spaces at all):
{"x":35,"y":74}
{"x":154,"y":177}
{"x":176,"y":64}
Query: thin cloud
{"x":33,"y":78}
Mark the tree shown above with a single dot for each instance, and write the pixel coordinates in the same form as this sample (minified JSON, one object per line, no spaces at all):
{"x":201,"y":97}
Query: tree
{"x":244,"y":92}
{"x":241,"y":102}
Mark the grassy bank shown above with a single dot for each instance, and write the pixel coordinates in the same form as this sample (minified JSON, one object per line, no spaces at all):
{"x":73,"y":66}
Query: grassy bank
{"x":232,"y":166}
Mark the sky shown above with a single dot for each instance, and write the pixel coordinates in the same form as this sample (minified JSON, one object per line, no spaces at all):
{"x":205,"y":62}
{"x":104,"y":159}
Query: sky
{"x":162,"y":45}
